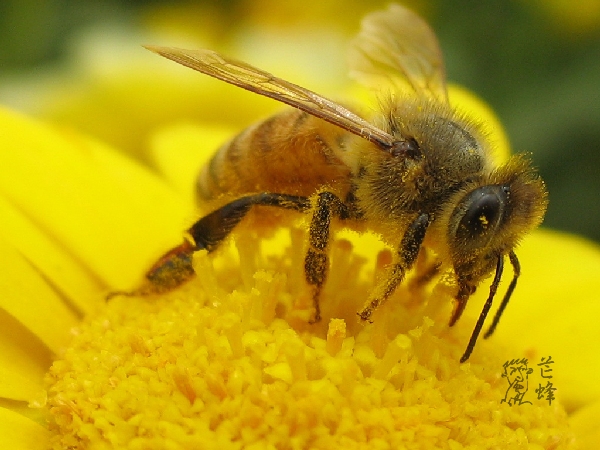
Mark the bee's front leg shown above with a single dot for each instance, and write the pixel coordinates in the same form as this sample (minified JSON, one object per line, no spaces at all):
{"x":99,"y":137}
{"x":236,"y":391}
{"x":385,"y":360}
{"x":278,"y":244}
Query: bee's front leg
{"x":406,"y":257}
{"x":316,"y":261}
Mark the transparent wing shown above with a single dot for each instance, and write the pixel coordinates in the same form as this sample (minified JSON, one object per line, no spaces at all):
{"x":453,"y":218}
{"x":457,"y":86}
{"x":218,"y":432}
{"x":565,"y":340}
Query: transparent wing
{"x":396,"y":43}
{"x":253,"y":79}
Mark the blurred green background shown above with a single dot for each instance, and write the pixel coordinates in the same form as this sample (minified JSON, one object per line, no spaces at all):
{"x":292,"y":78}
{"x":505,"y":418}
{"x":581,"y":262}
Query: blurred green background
{"x":536,"y":62}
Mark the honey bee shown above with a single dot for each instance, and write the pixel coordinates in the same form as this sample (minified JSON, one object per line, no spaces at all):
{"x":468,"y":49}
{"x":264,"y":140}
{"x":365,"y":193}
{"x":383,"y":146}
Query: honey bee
{"x":418,"y":173}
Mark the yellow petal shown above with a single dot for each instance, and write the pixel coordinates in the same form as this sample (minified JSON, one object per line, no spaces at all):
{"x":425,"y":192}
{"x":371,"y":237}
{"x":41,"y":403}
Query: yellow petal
{"x":555,"y":309}
{"x":23,"y":360}
{"x":179,"y":151}
{"x":16,"y":387}
{"x":18,"y":432}
{"x":29,"y":298}
{"x":124,"y":108}
{"x":110,"y":213}
{"x":464,"y":100}
{"x":585,"y":425}
{"x":59,"y":267}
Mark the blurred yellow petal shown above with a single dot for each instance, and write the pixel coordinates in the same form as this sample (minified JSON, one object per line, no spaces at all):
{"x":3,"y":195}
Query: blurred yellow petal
{"x":179,"y":151}
{"x":28,"y":298}
{"x":23,"y":360}
{"x":125,"y":108}
{"x":20,"y":433}
{"x":467,"y":102}
{"x":555,"y":311}
{"x":104,"y":209}
{"x":67,"y":276}
{"x":270,"y":13}
{"x":585,"y":424}
{"x":17,"y":387}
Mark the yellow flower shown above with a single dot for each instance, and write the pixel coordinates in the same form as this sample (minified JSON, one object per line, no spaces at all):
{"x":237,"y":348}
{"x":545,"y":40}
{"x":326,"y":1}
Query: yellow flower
{"x":229,"y":360}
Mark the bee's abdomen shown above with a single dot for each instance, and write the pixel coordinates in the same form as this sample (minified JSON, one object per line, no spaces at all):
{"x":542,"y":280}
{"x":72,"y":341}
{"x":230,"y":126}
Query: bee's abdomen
{"x":291,"y":152}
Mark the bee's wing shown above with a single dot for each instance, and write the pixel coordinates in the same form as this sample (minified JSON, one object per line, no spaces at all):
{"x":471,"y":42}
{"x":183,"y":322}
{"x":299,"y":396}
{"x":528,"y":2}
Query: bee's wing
{"x":396,"y":43}
{"x":253,"y":79}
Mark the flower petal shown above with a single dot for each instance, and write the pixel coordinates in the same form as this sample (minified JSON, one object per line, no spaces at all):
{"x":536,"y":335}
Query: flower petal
{"x":16,"y":387}
{"x":18,"y":432}
{"x":476,"y":108}
{"x":555,"y":311}
{"x":29,"y":298}
{"x":98,"y":204}
{"x":179,"y":152}
{"x":58,"y":266}
{"x":585,"y":425}
{"x":23,"y":361}
{"x":124,"y":108}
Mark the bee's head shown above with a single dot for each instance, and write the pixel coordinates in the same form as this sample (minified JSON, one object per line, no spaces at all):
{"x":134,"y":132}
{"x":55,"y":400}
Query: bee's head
{"x":490,"y":215}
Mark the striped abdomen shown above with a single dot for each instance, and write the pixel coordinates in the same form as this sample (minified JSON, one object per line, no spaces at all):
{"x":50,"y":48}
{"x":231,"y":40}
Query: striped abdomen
{"x":291,"y":152}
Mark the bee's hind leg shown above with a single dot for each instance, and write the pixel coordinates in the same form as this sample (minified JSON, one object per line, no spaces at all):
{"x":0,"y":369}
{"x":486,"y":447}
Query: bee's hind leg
{"x":175,"y":267}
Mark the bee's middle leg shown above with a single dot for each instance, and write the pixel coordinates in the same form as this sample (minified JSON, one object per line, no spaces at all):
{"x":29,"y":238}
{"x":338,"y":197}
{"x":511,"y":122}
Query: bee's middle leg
{"x":406,"y":257}
{"x":316,"y":261}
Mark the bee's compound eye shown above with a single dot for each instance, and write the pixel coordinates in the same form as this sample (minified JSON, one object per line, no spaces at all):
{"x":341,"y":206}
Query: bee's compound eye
{"x":483,"y":211}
